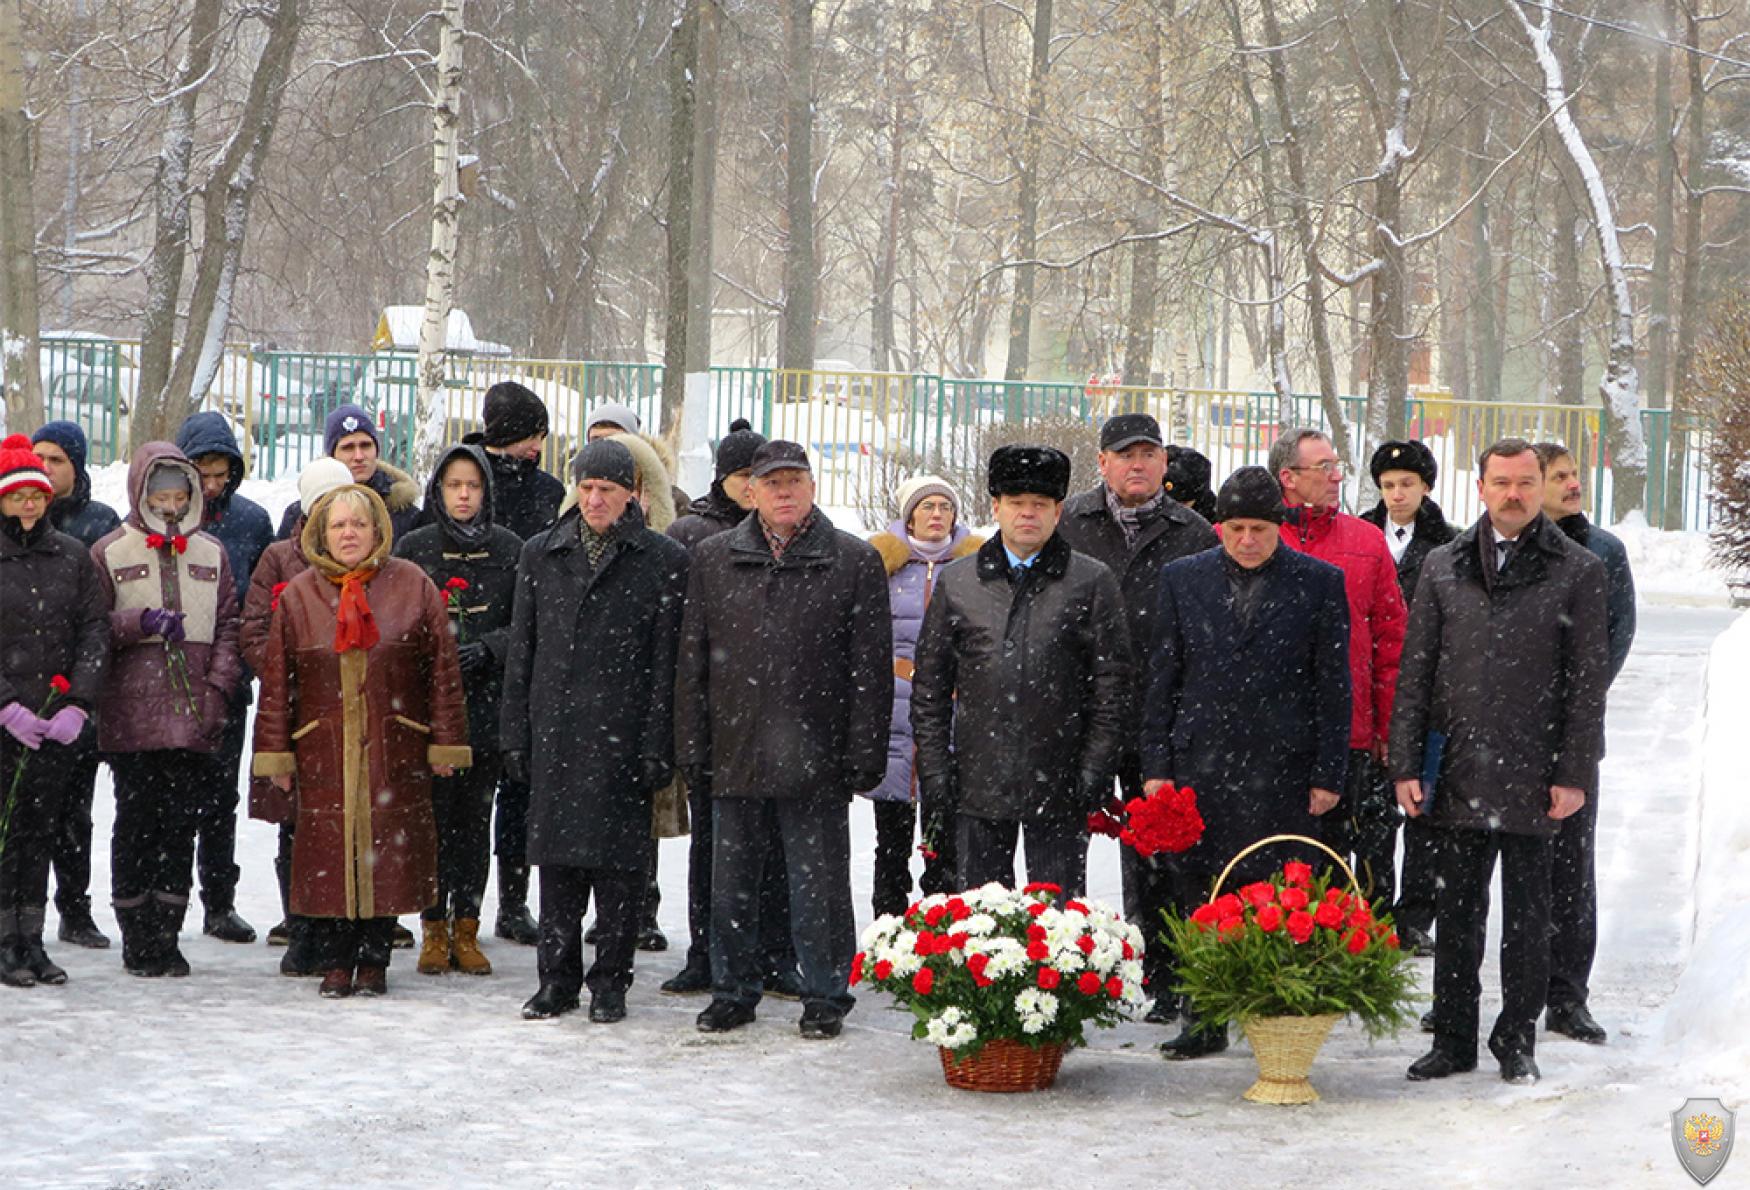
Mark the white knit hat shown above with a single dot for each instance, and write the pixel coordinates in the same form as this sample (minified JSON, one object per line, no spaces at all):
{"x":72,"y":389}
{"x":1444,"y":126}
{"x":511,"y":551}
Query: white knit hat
{"x":913,"y":491}
{"x":318,"y":478}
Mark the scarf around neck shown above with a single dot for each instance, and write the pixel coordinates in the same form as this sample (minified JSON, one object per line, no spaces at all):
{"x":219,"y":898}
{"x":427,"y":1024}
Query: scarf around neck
{"x":354,"y":625}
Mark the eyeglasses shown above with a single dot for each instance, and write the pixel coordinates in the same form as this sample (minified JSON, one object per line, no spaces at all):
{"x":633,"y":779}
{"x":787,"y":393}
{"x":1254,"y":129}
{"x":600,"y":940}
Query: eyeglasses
{"x":1328,"y":466}
{"x":31,"y":495}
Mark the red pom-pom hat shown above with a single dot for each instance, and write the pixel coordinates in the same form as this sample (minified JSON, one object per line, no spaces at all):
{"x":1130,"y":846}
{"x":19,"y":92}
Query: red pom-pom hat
{"x":20,"y":468}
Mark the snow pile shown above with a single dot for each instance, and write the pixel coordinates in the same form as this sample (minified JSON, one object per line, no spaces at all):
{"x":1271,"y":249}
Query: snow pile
{"x":1671,"y":566}
{"x":1705,"y":1020}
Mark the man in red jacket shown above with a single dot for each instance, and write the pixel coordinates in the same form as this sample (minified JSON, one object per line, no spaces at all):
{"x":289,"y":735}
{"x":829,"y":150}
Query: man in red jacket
{"x":1307,"y":466}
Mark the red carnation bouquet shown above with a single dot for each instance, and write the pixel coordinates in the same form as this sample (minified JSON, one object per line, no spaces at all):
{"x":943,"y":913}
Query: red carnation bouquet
{"x":1166,"y":820}
{"x":453,"y":589}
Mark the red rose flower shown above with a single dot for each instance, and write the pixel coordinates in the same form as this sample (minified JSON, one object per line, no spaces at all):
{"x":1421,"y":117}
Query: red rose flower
{"x":925,"y":944}
{"x":1270,"y":918}
{"x":1228,"y":905}
{"x":1088,"y":984}
{"x":1115,"y":987}
{"x":1085,"y":944}
{"x":883,"y":969}
{"x":1361,"y":919}
{"x":857,"y":968}
{"x":1294,"y":898}
{"x":59,"y":684}
{"x":1205,"y":915}
{"x":935,"y":914}
{"x":1298,"y":873}
{"x":458,"y":583}
{"x":1334,"y":894}
{"x":1391,"y":940}
{"x":1231,"y":928}
{"x":1037,"y":907}
{"x":1049,"y":978}
{"x":1300,"y":925}
{"x":1259,"y":893}
{"x":923,"y":981}
{"x":1356,"y":942}
{"x":1038,"y":951}
{"x":1035,"y":932}
{"x":976,"y":964}
{"x":957,"y":909}
{"x":1329,"y":915}
{"x":955,"y":941}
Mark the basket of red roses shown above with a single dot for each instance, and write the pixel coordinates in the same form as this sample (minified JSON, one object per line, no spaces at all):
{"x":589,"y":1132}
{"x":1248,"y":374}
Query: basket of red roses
{"x":1287,"y":958}
{"x":1003,"y":982}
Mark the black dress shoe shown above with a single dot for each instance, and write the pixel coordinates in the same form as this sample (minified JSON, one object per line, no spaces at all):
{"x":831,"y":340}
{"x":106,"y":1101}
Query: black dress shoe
{"x":785,"y":985}
{"x":690,"y":981}
{"x":720,"y":1016}
{"x":1426,"y":1024}
{"x":1519,"y":1069}
{"x":652,"y":939}
{"x":1195,"y":1041}
{"x":1437,"y":1063}
{"x":78,"y":929}
{"x":226,"y":926}
{"x":1573,"y":1020}
{"x":1417,"y":942}
{"x":517,"y":926}
{"x":549,"y":1002}
{"x":607,"y":1007}
{"x":821,"y":1022}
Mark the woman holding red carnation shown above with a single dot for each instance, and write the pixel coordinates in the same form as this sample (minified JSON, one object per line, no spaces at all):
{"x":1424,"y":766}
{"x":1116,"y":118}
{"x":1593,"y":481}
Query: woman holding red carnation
{"x":57,"y":648}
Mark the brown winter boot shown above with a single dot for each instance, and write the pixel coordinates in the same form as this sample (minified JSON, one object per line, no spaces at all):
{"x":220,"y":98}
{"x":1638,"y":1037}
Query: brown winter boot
{"x":465,"y":948}
{"x":434,"y":954}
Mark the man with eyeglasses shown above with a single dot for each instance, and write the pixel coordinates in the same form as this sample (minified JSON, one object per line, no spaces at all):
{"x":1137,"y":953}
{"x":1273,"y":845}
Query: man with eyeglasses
{"x":1306,"y":465}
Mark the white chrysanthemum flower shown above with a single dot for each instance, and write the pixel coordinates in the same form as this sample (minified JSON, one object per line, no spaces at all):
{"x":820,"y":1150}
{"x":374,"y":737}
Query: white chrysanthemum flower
{"x":907,"y":964}
{"x":978,"y":924}
{"x":879,"y":931}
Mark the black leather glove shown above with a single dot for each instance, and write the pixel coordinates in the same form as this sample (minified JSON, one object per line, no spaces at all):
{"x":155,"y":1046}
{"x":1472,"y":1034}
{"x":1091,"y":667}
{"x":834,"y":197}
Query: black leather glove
{"x":1094,"y":791}
{"x":937,"y":806}
{"x":657,"y":773}
{"x":698,"y":779}
{"x":473,"y":656}
{"x":516,"y":765}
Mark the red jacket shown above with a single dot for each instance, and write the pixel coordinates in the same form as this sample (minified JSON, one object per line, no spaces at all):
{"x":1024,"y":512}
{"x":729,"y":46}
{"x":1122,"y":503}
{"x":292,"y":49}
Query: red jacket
{"x":1377,"y":616}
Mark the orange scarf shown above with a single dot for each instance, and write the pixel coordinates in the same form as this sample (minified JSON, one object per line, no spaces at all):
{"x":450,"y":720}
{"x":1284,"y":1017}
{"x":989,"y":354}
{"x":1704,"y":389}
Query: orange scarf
{"x":354,"y":625}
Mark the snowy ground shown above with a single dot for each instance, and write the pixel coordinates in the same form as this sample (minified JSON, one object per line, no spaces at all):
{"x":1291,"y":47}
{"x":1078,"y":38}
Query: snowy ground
{"x":239,"y":1076}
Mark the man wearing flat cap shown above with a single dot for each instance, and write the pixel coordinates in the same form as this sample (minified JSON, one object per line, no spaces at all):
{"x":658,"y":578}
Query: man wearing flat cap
{"x":783,"y":697}
{"x":1021,"y":684}
{"x":1248,"y":699}
{"x":587,"y":721}
{"x":1131,"y":523}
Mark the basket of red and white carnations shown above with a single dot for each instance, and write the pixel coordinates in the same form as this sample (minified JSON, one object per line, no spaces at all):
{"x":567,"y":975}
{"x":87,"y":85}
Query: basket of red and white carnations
{"x":1003,"y":981}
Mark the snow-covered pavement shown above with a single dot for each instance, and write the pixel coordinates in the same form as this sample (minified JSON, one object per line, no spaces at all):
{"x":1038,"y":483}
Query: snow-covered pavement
{"x":237,"y":1076}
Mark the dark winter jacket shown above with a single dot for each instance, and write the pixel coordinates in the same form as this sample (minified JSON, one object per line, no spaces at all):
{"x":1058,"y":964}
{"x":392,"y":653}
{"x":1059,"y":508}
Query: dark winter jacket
{"x":400,"y":495}
{"x":525,"y":498}
{"x":1253,"y":715}
{"x":1620,"y":602}
{"x":1432,"y":530}
{"x":910,"y":579}
{"x":1511,"y":668}
{"x":1174,"y":532}
{"x":361,"y":743}
{"x":79,"y":516}
{"x":709,"y":515}
{"x":484,"y":555}
{"x":589,"y":688}
{"x":785,"y":673}
{"x":55,"y":617}
{"x":1022,"y":687}
{"x":1377,"y":614}
{"x":159,"y":696}
{"x":241,"y":525}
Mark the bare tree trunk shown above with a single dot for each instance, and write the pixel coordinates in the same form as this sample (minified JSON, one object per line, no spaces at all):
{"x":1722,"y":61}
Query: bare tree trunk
{"x":1689,"y":315}
{"x":896,"y":90}
{"x":440,"y":263}
{"x":70,"y":203}
{"x":1567,"y":308}
{"x":1485,"y":333}
{"x":19,"y":327}
{"x":1139,"y":335}
{"x":1454,"y":343}
{"x":172,"y":191}
{"x":1620,"y":387}
{"x":1664,"y":224}
{"x":1027,"y":202}
{"x":801,"y":272}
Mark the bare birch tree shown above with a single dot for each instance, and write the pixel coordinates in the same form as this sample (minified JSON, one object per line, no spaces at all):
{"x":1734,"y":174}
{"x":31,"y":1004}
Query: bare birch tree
{"x":431,"y":418}
{"x":19,"y":328}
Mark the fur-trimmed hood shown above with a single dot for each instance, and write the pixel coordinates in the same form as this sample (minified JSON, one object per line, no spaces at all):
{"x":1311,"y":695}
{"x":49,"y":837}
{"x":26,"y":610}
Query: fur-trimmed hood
{"x":400,"y":492}
{"x":654,"y":462}
{"x":895,"y":548}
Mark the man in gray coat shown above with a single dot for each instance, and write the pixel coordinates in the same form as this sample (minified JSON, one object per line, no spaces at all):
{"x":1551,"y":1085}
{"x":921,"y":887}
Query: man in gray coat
{"x":1021,"y":684}
{"x":1506,"y":658}
{"x":783,"y":697}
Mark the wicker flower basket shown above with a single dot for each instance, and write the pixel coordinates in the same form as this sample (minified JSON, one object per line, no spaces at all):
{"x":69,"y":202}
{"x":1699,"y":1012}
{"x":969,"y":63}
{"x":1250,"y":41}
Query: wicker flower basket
{"x":1004,"y":1066}
{"x":1285,"y":1047}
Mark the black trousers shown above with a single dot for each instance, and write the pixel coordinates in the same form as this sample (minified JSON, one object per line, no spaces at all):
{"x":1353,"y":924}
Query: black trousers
{"x":1364,"y":829}
{"x":72,"y":843}
{"x":462,"y":808}
{"x":1057,"y":851}
{"x":895,"y":825}
{"x":652,"y":900}
{"x":816,"y":857}
{"x":776,"y":947}
{"x":349,"y":941}
{"x":1419,"y":887}
{"x":152,"y":843}
{"x":215,"y":810}
{"x":1467,"y":862}
{"x":565,"y":897}
{"x":510,"y":830}
{"x":32,"y":818}
{"x":1573,"y":939}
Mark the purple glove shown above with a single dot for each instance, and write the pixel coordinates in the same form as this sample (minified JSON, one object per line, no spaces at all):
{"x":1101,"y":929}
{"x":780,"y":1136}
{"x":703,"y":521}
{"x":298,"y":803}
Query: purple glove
{"x":160,"y":621}
{"x":25,"y":727}
{"x":65,"y":725}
